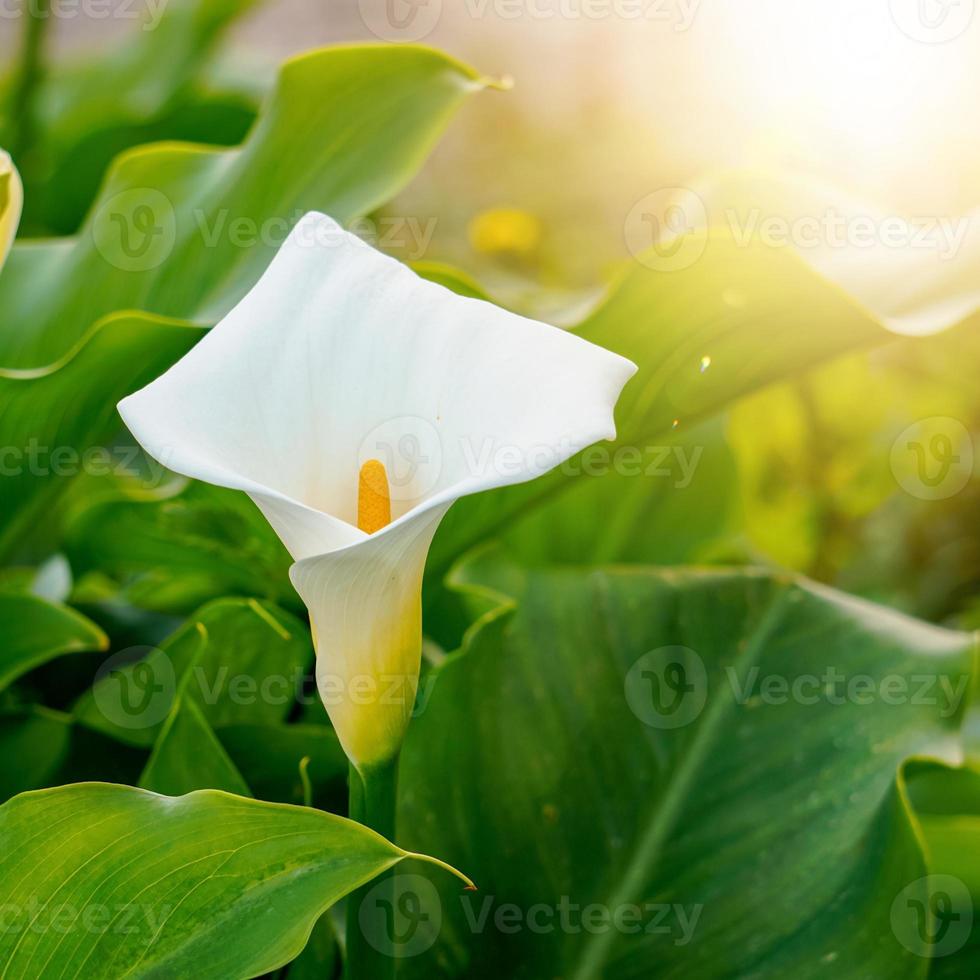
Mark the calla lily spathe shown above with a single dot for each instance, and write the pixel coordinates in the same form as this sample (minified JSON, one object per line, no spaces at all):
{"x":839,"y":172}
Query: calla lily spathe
{"x":11,"y":201}
{"x":341,"y":355}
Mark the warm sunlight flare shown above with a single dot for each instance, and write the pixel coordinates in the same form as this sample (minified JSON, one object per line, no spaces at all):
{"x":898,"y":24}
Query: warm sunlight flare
{"x":863,"y":93}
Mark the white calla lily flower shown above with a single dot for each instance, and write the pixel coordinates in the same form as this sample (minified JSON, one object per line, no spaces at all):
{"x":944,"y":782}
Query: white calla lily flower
{"x":11,"y":202}
{"x":354,"y":402}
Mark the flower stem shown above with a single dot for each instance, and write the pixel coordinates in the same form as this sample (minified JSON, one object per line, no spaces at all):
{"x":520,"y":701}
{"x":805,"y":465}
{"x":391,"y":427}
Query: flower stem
{"x":370,"y":947}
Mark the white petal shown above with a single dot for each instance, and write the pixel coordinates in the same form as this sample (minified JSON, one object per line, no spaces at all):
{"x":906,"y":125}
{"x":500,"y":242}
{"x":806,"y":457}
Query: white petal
{"x":365,"y":607}
{"x":340,"y":354}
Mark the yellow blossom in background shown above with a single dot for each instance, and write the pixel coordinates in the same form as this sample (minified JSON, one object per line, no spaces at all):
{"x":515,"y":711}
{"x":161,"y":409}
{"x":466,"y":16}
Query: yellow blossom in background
{"x":505,"y":231}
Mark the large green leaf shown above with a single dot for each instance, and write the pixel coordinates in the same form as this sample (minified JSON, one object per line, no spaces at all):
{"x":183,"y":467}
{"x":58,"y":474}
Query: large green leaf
{"x":712,"y":757}
{"x":34,"y":631}
{"x":107,"y":881}
{"x":741,"y":317}
{"x":238,"y":660}
{"x":667,"y":504}
{"x":175,"y":553}
{"x":188,"y":757}
{"x":48,"y":446}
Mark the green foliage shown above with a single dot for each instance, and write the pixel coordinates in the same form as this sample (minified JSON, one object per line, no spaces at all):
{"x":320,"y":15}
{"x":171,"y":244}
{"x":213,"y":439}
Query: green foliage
{"x":195,"y":878}
{"x":720,"y":793}
{"x":35,"y":631}
{"x":238,"y":660}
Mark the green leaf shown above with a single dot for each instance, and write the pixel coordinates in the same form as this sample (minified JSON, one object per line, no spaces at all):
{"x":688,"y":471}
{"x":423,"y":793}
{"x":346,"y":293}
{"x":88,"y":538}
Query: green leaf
{"x":207,"y":885}
{"x":760,"y":314}
{"x":664,"y":504}
{"x":178,"y":552}
{"x":947,"y":805}
{"x":188,"y":757}
{"x":48,"y":447}
{"x":35,"y":631}
{"x":239,"y":660}
{"x":35,"y":742}
{"x":631,"y":739}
